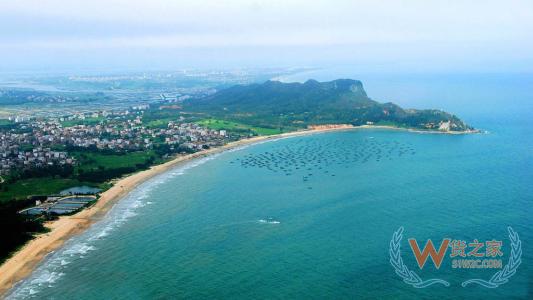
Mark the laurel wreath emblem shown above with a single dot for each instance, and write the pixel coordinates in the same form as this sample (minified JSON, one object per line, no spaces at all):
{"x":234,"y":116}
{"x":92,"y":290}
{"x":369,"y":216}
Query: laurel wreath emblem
{"x":499,"y":278}
{"x":509,"y":270}
{"x":408,"y":276}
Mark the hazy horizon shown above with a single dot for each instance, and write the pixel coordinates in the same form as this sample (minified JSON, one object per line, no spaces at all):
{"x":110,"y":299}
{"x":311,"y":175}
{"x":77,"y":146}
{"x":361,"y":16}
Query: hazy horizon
{"x":372,"y":36}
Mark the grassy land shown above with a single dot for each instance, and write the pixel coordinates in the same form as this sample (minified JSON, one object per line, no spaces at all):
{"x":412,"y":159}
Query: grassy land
{"x":92,"y":160}
{"x":218,"y":124}
{"x":162,"y":123}
{"x":156,"y":118}
{"x":101,"y":167}
{"x":21,"y":189}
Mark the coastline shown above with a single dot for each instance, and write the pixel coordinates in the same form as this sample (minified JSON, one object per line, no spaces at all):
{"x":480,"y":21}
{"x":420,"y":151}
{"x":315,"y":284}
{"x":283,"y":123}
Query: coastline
{"x":24,"y":261}
{"x":388,"y":127}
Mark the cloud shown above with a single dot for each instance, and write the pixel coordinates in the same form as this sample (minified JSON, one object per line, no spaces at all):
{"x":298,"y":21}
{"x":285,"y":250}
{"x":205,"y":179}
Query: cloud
{"x":364,"y":28}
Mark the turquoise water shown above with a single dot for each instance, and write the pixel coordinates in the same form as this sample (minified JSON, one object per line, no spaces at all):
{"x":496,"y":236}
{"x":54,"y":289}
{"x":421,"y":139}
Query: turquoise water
{"x":312,"y":217}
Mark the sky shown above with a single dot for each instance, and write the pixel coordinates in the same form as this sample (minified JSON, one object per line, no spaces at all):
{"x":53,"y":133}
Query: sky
{"x":375,"y":36}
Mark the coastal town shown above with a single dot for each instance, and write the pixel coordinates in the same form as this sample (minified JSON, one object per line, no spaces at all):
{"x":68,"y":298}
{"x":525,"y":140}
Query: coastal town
{"x":44,"y":142}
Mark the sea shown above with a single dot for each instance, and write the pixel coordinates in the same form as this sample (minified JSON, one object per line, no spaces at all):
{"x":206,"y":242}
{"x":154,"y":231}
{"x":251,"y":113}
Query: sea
{"x":330,"y":215}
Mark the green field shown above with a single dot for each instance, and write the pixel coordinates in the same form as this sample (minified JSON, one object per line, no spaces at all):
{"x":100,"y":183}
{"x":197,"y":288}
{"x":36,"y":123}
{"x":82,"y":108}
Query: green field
{"x":159,"y":118}
{"x":92,"y":160}
{"x":36,"y":186}
{"x":89,"y":161}
{"x":218,"y":124}
{"x":162,"y":123}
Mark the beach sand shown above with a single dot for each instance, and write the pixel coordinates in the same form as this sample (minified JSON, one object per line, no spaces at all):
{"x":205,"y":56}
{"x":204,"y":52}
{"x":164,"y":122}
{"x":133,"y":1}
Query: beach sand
{"x":22,"y":263}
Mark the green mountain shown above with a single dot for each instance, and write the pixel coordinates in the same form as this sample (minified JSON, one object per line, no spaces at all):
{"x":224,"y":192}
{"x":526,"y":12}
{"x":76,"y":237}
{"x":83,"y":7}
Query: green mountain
{"x":343,"y":101}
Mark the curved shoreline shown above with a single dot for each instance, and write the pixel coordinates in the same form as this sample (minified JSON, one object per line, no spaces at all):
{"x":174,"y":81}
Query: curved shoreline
{"x":22,"y":264}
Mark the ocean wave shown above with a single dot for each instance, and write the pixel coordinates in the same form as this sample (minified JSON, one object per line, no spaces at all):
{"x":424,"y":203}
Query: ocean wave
{"x":45,"y":279}
{"x":269,"y":221}
{"x":57,"y":263}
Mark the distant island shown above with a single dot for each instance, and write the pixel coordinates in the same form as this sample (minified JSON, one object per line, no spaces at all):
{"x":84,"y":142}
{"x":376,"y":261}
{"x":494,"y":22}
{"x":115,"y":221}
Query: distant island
{"x":292,"y":106}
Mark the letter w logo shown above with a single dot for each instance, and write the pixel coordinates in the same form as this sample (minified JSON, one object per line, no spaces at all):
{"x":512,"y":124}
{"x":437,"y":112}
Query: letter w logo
{"x":429,"y":249}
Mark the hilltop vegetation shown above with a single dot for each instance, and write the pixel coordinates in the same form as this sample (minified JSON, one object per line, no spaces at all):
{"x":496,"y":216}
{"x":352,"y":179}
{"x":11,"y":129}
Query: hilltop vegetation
{"x":295,"y":105}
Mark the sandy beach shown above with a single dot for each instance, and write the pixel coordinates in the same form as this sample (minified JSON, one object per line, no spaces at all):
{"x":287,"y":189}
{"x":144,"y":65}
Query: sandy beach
{"x":27,"y":258}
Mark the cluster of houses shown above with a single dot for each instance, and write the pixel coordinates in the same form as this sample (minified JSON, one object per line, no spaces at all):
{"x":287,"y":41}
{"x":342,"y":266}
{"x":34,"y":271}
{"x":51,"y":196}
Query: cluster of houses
{"x":192,"y":136}
{"x":118,"y":131}
{"x":11,"y":158}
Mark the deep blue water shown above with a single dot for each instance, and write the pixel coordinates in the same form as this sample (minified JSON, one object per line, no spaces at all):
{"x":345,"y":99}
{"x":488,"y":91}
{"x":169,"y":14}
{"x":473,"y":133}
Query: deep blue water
{"x":312,"y":217}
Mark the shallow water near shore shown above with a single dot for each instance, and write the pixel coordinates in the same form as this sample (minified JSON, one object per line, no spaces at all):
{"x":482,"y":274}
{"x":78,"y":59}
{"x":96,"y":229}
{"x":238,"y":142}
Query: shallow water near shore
{"x":309,"y":217}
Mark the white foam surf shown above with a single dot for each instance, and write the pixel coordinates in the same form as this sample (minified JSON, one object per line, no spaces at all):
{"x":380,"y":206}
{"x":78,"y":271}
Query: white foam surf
{"x":269,"y":221}
{"x":56,"y":264}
